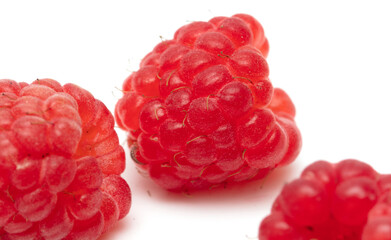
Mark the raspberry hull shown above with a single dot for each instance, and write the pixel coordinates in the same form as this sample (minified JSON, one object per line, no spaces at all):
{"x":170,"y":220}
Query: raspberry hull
{"x":201,"y":111}
{"x":348,"y":200}
{"x":60,"y":162}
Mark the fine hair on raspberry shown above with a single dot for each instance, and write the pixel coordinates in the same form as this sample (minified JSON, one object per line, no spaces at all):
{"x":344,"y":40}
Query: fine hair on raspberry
{"x":201,"y":111}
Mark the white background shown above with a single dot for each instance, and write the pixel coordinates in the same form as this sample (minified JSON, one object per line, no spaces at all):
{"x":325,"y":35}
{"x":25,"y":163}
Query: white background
{"x":332,"y":57}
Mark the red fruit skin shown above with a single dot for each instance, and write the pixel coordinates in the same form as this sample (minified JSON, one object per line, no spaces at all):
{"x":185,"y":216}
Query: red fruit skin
{"x":352,"y":194}
{"x":270,"y":151}
{"x":351,"y":168}
{"x":87,"y":229}
{"x":322,"y":172}
{"x":117,"y":188}
{"x":145,"y":81}
{"x":60,"y":163}
{"x":235,"y":99}
{"x":205,"y":99}
{"x":110,"y":211}
{"x":276,"y":227}
{"x":345,"y":200}
{"x":281,"y":104}
{"x":305,"y":194}
{"x":127,"y":107}
{"x":249,"y":63}
{"x":204,"y":115}
{"x":294,"y":140}
{"x":7,"y":209}
{"x":260,"y":40}
{"x":58,"y":225}
{"x":378,"y":229}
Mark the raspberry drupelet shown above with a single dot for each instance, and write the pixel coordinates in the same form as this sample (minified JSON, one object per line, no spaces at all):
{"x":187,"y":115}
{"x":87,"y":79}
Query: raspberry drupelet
{"x":201,"y":111}
{"x":343,"y":201}
{"x":60,"y":163}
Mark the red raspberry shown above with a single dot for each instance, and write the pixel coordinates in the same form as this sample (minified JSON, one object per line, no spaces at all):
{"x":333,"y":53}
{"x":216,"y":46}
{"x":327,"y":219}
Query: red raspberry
{"x":344,"y":201}
{"x":60,"y":162}
{"x":200,"y":111}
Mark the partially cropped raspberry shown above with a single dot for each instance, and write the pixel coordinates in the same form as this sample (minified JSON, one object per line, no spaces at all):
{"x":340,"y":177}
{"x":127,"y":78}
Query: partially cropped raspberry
{"x":201,"y":111}
{"x":60,"y":163}
{"x":344,"y":201}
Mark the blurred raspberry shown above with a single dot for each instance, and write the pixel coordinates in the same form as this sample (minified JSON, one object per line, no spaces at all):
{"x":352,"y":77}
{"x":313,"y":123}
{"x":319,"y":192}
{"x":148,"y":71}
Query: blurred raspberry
{"x":348,"y":200}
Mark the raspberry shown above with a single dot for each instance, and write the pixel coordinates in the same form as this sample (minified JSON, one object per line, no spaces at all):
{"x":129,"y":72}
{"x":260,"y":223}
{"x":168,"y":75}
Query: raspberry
{"x":201,"y":111}
{"x":60,"y":162}
{"x":347,"y":200}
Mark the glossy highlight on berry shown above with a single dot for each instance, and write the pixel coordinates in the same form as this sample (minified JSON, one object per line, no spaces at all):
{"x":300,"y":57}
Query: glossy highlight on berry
{"x":201,"y":111}
{"x":60,"y":163}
